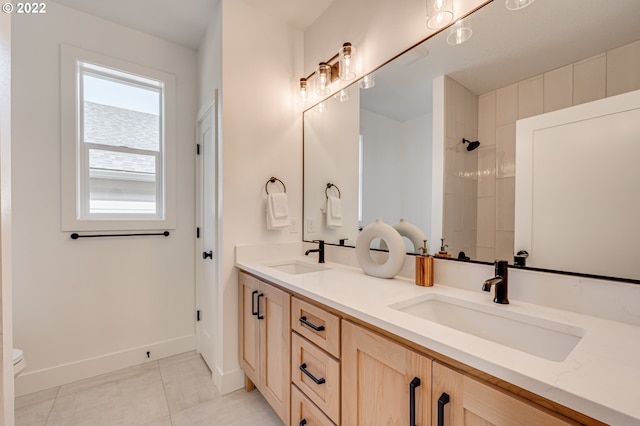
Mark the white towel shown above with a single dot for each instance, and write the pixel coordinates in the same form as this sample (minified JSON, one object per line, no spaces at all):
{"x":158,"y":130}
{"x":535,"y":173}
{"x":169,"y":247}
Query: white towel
{"x":334,"y":212}
{"x":277,"y":210}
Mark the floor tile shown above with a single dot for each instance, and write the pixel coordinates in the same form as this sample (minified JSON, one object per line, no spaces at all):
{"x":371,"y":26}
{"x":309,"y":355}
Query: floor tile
{"x":177,"y":359}
{"x":175,"y":391}
{"x":187,"y":383}
{"x":131,"y":401}
{"x":33,"y":414}
{"x":165,"y":421}
{"x":36,"y":397}
{"x":238,"y":408}
{"x":148,"y":370}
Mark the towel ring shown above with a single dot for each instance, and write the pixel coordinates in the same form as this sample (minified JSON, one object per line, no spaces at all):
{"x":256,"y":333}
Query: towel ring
{"x":273,"y":180}
{"x":329,"y":185}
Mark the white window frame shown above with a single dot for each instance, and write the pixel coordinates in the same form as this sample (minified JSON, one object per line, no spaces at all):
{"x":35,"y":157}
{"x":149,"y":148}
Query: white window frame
{"x":74,"y":159}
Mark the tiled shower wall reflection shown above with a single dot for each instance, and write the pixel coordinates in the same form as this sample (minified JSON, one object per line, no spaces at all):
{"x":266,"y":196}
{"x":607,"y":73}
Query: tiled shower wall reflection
{"x":460,"y":177}
{"x":611,"y":73}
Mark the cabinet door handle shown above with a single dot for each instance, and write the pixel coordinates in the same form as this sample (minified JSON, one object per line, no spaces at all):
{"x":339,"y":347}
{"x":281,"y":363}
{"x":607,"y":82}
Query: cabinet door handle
{"x":258,"y":310}
{"x":309,"y":324}
{"x":302,"y":422}
{"x":303,"y":368}
{"x":253,"y":302}
{"x":412,"y":400}
{"x":442,"y":401}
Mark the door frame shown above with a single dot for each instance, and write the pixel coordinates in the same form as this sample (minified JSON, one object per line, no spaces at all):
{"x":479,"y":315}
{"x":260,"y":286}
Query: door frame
{"x":212,"y":317}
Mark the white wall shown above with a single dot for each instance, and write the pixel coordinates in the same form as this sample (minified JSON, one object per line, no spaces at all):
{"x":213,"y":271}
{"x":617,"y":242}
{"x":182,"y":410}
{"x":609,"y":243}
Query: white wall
{"x":89,"y":306}
{"x":6,"y":341}
{"x":403,"y":151}
{"x":378,"y":29}
{"x":260,"y":136}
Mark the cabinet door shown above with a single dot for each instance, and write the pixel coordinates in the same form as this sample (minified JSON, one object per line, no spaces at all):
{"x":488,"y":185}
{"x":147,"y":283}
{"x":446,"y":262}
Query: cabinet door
{"x":472,"y":403}
{"x":376,"y":380}
{"x":275,"y":347}
{"x":249,"y":327}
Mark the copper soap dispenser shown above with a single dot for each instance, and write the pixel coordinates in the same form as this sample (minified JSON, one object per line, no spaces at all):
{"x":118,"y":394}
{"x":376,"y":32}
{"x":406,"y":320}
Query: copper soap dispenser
{"x":424,"y":266}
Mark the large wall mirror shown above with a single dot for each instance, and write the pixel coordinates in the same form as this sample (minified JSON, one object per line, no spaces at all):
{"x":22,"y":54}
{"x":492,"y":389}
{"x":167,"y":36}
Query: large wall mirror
{"x":396,"y":151}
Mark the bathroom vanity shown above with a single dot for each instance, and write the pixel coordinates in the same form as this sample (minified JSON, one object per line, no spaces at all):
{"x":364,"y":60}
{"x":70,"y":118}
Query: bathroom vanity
{"x":364,"y":348}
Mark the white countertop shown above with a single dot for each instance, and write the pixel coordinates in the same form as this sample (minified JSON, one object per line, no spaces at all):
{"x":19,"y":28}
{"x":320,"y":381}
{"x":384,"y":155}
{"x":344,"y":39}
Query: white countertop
{"x":600,"y":377}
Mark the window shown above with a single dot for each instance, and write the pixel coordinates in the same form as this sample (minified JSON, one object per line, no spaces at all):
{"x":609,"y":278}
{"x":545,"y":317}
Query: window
{"x":116,"y":143}
{"x":120,"y":144}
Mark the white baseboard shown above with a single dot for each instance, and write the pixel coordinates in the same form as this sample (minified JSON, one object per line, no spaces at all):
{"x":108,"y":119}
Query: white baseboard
{"x":229,"y":381}
{"x":33,"y":381}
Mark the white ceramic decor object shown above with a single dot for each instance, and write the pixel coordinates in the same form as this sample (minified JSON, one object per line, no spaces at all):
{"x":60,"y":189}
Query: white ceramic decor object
{"x":394,"y":242}
{"x":411,"y":232}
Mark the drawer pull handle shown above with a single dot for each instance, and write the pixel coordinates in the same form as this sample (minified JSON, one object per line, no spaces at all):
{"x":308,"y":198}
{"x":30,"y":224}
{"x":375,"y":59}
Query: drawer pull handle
{"x":442,"y":401}
{"x":303,"y":368}
{"x":302,"y":422}
{"x":307,"y":323}
{"x":412,"y":400}
{"x":258,"y":310}
{"x":253,"y":302}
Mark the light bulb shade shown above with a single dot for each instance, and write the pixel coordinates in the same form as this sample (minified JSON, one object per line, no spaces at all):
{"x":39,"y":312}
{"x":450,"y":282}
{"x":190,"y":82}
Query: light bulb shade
{"x":343,"y":95}
{"x":459,"y":33}
{"x":322,"y":106}
{"x":439,"y":13}
{"x":347,"y":62}
{"x":304,"y":96}
{"x":368,"y":81}
{"x":517,"y":4}
{"x":323,"y":79}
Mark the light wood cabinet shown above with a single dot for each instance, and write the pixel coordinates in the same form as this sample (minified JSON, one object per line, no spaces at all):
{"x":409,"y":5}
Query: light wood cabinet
{"x":315,"y":364}
{"x":380,"y":378}
{"x":368,"y":379}
{"x":460,"y":400}
{"x":316,"y":325}
{"x":265,"y":341}
{"x":304,"y":412}
{"x":317,"y":374}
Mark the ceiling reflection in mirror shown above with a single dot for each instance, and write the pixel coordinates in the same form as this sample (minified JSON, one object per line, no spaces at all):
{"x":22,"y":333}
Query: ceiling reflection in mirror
{"x":396,"y":150}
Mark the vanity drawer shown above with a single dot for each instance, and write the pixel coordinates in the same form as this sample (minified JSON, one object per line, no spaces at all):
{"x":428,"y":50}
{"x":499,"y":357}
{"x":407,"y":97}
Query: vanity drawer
{"x":303,"y":411}
{"x":317,"y":375}
{"x":317,"y":325}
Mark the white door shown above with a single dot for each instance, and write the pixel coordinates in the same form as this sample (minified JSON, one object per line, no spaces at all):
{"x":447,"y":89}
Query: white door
{"x":206,"y":220}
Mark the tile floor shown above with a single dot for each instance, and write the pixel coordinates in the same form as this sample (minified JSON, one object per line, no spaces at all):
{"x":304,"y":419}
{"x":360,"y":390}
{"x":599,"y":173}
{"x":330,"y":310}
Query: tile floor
{"x":175,"y":391}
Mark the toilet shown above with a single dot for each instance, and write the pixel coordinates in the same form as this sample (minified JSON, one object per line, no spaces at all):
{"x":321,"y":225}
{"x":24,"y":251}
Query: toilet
{"x":18,"y":362}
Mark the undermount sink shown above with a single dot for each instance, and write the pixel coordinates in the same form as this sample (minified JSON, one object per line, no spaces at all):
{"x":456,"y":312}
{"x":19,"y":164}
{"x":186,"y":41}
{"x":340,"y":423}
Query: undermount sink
{"x":296,"y":267}
{"x":547,"y":339}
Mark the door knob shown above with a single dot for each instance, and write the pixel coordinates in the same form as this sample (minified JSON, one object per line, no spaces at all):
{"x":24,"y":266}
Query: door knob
{"x":208,"y":254}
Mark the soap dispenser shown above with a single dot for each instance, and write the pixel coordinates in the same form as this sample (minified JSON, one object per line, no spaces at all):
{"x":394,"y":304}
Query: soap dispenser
{"x":424,"y":266}
{"x":443,"y":250}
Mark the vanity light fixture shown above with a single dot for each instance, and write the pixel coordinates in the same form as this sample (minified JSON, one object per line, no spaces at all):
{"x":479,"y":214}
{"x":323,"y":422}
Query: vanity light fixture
{"x":343,"y":95}
{"x":459,"y":33}
{"x":341,"y":65}
{"x":321,"y":107}
{"x":323,"y":79}
{"x":439,"y":13}
{"x":346,"y":63}
{"x":368,"y":81}
{"x":517,"y":4}
{"x":304,"y":97}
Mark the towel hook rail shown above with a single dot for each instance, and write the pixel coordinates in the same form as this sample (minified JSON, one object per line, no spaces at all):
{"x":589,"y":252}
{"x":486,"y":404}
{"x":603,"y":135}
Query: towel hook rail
{"x":273,"y":179}
{"x":329,"y":185}
{"x":75,"y":235}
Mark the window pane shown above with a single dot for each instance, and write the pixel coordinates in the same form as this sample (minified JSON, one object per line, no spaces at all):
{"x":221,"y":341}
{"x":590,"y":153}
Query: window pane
{"x":120,"y":114}
{"x":121,"y":182}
